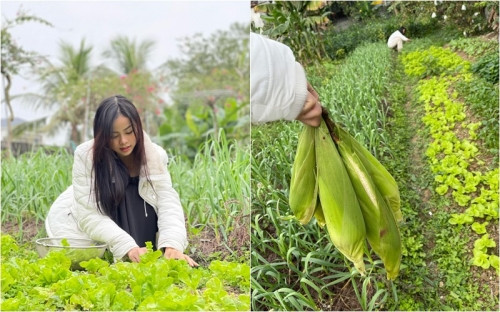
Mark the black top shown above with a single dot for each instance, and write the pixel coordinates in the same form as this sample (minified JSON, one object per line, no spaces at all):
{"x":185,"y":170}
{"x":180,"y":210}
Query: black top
{"x":136,"y":217}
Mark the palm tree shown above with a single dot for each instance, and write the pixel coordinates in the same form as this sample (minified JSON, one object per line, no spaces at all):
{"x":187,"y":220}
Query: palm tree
{"x":128,"y":54}
{"x":66,"y":87}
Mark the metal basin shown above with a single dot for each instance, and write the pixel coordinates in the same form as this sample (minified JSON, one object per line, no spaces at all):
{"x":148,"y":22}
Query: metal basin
{"x":79,"y":249}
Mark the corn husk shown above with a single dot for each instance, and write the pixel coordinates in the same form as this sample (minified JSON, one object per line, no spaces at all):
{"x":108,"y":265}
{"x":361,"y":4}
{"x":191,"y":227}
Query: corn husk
{"x":382,"y":179}
{"x":318,"y":214}
{"x":342,"y":214}
{"x":303,"y":185}
{"x":381,"y":229}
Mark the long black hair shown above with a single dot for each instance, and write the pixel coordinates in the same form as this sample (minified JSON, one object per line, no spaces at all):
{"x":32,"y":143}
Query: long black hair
{"x":110,"y":173}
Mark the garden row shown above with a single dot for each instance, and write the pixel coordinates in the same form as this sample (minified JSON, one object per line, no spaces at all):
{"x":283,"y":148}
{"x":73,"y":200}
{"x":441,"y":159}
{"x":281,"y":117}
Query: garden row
{"x":453,"y":153}
{"x":214,"y":193}
{"x":436,"y":271}
{"x":297,"y":267}
{"x":211,"y":188}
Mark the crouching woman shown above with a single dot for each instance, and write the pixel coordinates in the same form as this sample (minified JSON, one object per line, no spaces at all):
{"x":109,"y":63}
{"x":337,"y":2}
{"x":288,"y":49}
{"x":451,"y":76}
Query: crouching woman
{"x":121,"y":193}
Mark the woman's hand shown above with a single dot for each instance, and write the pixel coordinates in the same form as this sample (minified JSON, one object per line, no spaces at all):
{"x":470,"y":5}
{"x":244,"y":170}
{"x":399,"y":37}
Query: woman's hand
{"x":311,"y":112}
{"x":135,"y":253}
{"x":172,"y":253}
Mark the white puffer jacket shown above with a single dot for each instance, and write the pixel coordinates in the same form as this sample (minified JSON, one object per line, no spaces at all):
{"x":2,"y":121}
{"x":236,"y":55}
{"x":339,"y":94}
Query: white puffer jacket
{"x":75,"y":215}
{"x":394,"y":38}
{"x":278,"y":84}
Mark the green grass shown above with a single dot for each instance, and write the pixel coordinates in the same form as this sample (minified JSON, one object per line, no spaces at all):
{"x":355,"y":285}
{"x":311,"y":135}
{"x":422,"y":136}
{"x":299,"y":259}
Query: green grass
{"x":296,"y":267}
{"x":436,"y":273}
{"x":474,"y":46}
{"x":215,"y":193}
{"x":354,"y":94}
{"x":482,"y":97}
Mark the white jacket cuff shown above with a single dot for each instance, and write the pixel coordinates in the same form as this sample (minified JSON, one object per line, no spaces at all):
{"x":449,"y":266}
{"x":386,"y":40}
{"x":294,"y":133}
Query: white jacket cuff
{"x":300,"y":94}
{"x":120,"y":249}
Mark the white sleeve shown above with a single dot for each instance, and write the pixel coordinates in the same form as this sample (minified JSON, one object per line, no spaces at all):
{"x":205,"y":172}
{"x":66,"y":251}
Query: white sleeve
{"x":278,"y":84}
{"x":98,"y":226}
{"x":402,"y":36}
{"x":171,"y":224}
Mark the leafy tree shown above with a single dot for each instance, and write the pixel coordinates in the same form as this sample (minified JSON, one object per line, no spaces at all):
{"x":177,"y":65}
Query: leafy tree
{"x":13,"y":60}
{"x":210,"y":89}
{"x":358,"y":10}
{"x":296,"y":24}
{"x":225,"y":51}
{"x":468,"y":17}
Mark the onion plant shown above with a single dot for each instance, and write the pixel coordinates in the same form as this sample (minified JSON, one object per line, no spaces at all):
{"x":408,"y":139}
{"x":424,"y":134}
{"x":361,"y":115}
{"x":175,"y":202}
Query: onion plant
{"x":354,"y":94}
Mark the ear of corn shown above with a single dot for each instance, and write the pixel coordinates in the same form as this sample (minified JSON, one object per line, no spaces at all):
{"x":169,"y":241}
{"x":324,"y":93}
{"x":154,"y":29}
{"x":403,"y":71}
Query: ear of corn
{"x":382,"y":179}
{"x":344,"y":186}
{"x":303,"y":186}
{"x":341,"y":210}
{"x":381,"y":228}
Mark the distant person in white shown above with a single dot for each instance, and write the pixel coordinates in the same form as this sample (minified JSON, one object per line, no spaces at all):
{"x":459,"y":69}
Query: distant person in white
{"x":396,"y":39}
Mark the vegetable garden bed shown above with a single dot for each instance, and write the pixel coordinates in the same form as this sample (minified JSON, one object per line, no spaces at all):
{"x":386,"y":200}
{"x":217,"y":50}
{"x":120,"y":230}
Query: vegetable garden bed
{"x":30,"y":283}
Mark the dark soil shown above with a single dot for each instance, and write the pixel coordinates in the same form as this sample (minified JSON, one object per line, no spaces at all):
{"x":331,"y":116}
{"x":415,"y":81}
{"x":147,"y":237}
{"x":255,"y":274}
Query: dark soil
{"x":29,"y":230}
{"x":346,"y":299}
{"x":209,"y":244}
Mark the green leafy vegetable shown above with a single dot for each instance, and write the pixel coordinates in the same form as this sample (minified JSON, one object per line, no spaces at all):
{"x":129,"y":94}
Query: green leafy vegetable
{"x":155,"y":283}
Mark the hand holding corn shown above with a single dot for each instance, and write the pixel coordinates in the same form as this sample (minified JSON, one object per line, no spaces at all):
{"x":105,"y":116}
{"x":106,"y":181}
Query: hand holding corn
{"x":311,"y":112}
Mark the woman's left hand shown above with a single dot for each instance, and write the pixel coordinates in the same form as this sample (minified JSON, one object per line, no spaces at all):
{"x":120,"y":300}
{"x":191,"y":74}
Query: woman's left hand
{"x":172,"y":253}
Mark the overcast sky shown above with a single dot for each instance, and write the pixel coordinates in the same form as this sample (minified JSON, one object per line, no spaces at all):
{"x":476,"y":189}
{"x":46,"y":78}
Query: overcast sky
{"x":98,"y":22}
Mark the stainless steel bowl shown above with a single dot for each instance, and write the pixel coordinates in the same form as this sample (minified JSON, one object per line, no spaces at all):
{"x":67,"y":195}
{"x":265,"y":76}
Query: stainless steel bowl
{"x":79,"y":249}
